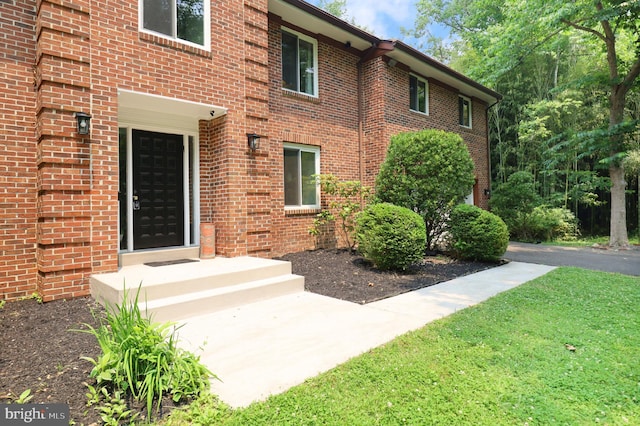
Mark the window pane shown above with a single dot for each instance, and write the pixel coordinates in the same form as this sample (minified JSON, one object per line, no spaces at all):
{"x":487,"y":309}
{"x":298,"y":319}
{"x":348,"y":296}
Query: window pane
{"x":422,"y":96}
{"x":192,"y":177}
{"x":413,"y":93}
{"x":191,"y":20}
{"x":289,"y":61}
{"x":308,"y":165}
{"x":465,"y":112}
{"x":306,"y":67}
{"x":157,"y":16}
{"x":122,"y":186}
{"x":291,"y":178}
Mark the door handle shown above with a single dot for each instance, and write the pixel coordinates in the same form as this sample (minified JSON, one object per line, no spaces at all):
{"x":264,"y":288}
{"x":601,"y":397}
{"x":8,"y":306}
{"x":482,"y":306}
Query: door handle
{"x":136,"y":203}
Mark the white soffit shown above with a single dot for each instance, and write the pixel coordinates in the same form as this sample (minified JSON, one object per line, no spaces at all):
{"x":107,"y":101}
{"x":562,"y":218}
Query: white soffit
{"x":131,"y":102}
{"x":313,"y":24}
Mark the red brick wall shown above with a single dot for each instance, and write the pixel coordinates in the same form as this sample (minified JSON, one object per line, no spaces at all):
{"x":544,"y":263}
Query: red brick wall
{"x":331,"y":122}
{"x":442,"y":114}
{"x":18,"y":150}
{"x":59,"y":192}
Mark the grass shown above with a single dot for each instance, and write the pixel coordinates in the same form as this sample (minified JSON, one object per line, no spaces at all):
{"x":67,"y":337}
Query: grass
{"x":589,"y":241}
{"x":503,"y":362}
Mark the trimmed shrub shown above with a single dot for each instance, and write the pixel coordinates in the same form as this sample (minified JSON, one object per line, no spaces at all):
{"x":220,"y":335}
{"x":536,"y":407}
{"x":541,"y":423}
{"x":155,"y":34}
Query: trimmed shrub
{"x":392,"y":237}
{"x":477,"y":234}
{"x":428,"y":172}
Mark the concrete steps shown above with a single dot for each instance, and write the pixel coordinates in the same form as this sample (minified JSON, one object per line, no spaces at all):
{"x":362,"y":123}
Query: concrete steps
{"x":175,"y":292}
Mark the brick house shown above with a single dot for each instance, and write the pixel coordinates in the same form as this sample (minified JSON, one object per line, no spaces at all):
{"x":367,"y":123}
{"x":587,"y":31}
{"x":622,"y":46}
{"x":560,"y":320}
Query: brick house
{"x":173,"y":92}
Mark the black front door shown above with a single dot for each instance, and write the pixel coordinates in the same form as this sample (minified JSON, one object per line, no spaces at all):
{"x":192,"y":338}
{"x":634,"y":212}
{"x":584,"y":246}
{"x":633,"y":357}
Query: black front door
{"x":158,"y":193}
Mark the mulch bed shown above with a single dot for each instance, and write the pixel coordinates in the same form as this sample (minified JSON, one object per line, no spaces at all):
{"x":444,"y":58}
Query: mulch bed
{"x":38,"y":350}
{"x":346,"y":276}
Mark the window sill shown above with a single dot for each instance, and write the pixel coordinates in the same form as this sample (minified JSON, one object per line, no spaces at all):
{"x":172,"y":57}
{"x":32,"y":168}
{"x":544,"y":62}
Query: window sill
{"x":424,"y":114}
{"x":301,"y":211}
{"x":299,"y":95}
{"x":174,"y":44}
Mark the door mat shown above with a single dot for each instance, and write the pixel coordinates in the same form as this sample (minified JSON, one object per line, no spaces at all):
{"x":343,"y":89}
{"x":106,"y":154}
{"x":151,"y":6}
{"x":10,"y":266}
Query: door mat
{"x":171,"y":262}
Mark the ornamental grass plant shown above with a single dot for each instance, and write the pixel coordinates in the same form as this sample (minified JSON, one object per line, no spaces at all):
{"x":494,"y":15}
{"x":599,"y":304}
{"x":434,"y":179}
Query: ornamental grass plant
{"x":140,"y":360}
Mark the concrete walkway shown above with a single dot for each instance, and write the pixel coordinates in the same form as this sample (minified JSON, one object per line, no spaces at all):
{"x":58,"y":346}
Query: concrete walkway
{"x":265,"y":348}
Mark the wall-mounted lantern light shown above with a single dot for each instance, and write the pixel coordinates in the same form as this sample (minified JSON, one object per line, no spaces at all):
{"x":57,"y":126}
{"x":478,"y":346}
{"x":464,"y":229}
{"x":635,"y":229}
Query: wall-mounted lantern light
{"x":84,"y":121}
{"x":487,"y":192}
{"x":253,"y":140}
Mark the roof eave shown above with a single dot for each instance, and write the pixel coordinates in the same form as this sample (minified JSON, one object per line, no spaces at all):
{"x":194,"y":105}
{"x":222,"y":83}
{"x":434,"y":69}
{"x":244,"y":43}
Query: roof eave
{"x":322,"y":22}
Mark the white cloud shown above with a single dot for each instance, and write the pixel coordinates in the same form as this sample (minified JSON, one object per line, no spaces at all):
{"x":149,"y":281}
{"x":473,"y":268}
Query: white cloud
{"x":383,"y":18}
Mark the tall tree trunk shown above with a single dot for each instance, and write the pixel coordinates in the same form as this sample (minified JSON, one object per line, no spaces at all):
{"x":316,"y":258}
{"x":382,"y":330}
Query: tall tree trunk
{"x":618,"y":231}
{"x":618,"y":236}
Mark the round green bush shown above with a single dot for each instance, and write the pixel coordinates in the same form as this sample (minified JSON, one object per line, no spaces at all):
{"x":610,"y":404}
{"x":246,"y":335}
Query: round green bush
{"x":392,"y":237}
{"x":477,"y":234}
{"x":428,"y":172}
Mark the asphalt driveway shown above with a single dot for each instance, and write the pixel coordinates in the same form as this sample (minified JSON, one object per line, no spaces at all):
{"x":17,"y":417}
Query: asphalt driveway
{"x":622,"y":261}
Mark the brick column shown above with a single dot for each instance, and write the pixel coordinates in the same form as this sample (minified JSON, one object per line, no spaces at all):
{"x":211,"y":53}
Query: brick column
{"x":258,"y":192}
{"x":63,"y":157}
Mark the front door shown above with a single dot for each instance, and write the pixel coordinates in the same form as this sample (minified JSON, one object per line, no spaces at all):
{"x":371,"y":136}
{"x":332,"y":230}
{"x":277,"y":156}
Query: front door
{"x":158,"y":190}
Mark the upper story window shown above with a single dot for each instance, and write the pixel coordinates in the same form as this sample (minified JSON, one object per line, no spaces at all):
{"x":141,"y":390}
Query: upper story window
{"x":301,"y":164}
{"x":418,"y":94}
{"x":299,"y":63}
{"x":184,"y":20}
{"x":464,"y":111}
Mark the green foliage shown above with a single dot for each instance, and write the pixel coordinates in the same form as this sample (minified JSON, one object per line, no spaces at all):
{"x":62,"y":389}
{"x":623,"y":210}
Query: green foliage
{"x":477,"y":234}
{"x":2,"y":303}
{"x":34,"y":296}
{"x":514,"y":202}
{"x":392,"y":237}
{"x":548,"y":224}
{"x":141,"y":359}
{"x":519,"y":205}
{"x":112,"y":408}
{"x":346,"y":200}
{"x":24,"y":397}
{"x":569,"y":72}
{"x":428,"y":172}
{"x":205,"y":410}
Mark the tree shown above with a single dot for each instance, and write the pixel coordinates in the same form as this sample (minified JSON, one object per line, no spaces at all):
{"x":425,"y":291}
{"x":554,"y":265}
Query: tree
{"x":337,"y":8}
{"x":428,"y":172}
{"x":506,"y":33}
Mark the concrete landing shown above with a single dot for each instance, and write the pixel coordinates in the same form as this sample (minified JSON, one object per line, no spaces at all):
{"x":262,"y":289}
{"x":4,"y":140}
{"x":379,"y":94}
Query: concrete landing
{"x":265,"y":348}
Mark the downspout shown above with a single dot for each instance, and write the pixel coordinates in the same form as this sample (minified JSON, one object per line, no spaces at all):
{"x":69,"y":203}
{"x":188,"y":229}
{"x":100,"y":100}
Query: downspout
{"x":360,"y":125}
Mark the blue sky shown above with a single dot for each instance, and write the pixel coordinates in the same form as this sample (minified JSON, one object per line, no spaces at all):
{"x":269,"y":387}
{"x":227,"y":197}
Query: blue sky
{"x":385,"y":18}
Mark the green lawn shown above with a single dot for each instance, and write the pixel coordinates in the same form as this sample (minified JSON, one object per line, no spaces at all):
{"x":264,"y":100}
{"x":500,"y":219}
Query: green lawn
{"x":588,"y":241}
{"x":503,"y":362}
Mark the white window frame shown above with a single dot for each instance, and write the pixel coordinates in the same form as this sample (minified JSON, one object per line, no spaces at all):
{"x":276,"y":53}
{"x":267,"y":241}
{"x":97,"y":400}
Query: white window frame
{"x":426,"y":94}
{"x":303,"y":148}
{"x":314,"y":43}
{"x":470,"y":115}
{"x":174,"y":37}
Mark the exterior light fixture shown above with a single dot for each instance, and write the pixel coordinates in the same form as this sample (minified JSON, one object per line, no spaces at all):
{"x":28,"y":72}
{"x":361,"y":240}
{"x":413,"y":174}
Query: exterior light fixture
{"x":253,"y":140}
{"x":487,"y":192}
{"x":84,"y":121}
